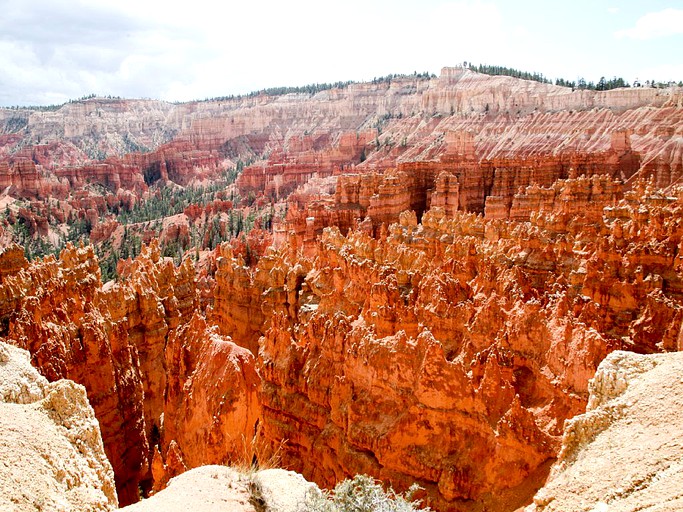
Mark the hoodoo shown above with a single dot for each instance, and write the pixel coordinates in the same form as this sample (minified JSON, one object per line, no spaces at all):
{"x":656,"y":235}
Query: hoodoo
{"x":414,"y":278}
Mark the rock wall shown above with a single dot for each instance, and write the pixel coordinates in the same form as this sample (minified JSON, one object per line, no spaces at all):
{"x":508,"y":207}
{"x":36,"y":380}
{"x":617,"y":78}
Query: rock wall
{"x":622,"y":453}
{"x":296,"y":136}
{"x":122,"y":342}
{"x":450,"y":352}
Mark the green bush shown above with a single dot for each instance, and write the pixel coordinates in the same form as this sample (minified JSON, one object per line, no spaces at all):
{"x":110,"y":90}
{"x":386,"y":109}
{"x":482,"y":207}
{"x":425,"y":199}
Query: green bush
{"x":361,"y":494}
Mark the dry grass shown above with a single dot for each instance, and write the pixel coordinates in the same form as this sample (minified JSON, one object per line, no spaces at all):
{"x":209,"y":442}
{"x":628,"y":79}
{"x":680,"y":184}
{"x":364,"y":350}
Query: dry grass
{"x":257,"y":453}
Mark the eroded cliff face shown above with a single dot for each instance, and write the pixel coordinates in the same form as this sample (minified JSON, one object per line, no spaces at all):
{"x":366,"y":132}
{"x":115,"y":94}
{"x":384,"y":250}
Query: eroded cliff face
{"x":450,"y":352}
{"x":149,"y":364}
{"x":456,"y":258}
{"x":296,"y":136}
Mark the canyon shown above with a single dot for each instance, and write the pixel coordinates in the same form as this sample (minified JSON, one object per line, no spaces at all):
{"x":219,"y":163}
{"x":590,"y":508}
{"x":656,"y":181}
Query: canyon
{"x":426,"y":276}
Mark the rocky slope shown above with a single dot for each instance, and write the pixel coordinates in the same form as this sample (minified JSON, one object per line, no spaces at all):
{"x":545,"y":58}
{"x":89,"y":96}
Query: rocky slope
{"x":454,"y":257}
{"x":51,"y":453}
{"x":624,"y":453}
{"x":148,"y":362}
{"x":463,"y":141}
{"x":450,"y":352}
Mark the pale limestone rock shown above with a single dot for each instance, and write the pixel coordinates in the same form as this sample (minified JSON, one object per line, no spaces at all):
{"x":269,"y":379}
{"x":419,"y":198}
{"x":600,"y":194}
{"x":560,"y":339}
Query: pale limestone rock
{"x":20,"y":383}
{"x":51,"y":452}
{"x":625,"y":453}
{"x":221,"y":488}
{"x":283,"y":491}
{"x":203,"y":489}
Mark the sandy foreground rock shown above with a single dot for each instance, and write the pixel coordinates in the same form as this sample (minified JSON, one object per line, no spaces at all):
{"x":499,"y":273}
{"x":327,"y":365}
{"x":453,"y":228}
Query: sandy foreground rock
{"x":626,"y":452}
{"x":51,"y":453}
{"x":220,"y":488}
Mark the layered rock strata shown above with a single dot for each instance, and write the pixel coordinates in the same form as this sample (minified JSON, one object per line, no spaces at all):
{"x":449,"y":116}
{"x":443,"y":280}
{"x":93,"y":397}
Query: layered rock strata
{"x":296,"y":136}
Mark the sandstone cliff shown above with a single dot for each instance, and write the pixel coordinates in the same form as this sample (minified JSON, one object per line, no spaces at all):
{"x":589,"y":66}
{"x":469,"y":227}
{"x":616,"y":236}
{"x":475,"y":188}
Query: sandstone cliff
{"x":51,"y":453}
{"x":456,"y":258}
{"x":624,"y":453}
{"x":300,"y":135}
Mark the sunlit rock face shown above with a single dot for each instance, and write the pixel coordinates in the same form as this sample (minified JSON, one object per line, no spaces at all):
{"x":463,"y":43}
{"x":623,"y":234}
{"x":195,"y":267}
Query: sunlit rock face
{"x":51,"y":449}
{"x":620,"y":454}
{"x":450,"y":352}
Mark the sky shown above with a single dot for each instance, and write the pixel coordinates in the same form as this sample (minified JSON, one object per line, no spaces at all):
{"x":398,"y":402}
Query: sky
{"x":55,"y":50}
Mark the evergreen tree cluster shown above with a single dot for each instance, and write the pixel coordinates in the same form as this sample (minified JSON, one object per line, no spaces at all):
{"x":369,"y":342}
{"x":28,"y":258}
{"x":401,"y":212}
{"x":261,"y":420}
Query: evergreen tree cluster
{"x":388,"y":78}
{"x":515,"y":73}
{"x":52,"y":108}
{"x":168,"y":201}
{"x":602,"y":85}
{"x":309,"y":89}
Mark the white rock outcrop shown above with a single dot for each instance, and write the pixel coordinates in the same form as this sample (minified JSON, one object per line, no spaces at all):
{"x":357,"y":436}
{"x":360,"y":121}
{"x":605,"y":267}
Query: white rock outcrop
{"x":626,"y":452}
{"x":51,"y":452}
{"x":221,"y":488}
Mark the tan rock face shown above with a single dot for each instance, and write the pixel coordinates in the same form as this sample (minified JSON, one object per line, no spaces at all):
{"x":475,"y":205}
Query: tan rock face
{"x":220,"y":488}
{"x":371,"y":126}
{"x":51,"y":452}
{"x":624,"y":452}
{"x":204,"y":489}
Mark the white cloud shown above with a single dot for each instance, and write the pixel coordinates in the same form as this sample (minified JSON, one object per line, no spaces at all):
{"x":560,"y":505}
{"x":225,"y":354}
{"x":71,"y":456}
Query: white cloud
{"x":613,"y":10}
{"x":655,"y":25}
{"x":179,"y":50}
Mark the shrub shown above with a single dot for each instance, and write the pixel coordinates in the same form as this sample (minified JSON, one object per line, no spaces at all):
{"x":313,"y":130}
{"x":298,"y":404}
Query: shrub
{"x":362,"y":494}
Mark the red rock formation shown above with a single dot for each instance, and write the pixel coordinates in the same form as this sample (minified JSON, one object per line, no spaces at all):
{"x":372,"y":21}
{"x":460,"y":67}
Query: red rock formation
{"x":121,"y":342}
{"x":448,"y":348}
{"x":300,"y":160}
{"x":410,"y":119}
{"x":451,"y":351}
{"x":12,"y":260}
{"x":211,"y":407}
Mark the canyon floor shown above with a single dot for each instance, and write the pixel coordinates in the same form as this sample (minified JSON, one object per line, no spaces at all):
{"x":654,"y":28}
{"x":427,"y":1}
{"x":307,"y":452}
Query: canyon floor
{"x":415,"y":279}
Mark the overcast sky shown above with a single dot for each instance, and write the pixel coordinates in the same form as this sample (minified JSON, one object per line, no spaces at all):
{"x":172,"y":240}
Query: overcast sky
{"x":55,"y":50}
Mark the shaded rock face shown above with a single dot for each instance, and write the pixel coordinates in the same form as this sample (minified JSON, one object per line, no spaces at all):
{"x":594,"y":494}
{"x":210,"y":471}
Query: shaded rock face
{"x":450,"y":352}
{"x":51,"y":453}
{"x":624,"y":453}
{"x":149,"y":365}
